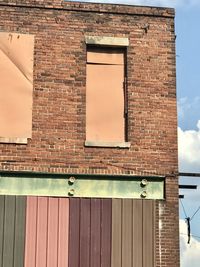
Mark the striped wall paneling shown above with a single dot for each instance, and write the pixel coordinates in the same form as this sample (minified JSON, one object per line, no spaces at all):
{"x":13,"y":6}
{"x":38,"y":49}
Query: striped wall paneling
{"x":76,"y":232}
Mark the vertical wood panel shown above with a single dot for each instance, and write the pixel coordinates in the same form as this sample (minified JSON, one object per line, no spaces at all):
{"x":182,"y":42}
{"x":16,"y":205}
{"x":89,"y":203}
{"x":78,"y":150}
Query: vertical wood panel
{"x":127,"y":232}
{"x":94,"y":240}
{"x":85,"y":232}
{"x":137,"y":233}
{"x":47,"y":232}
{"x":148,"y":233}
{"x":63,"y":232}
{"x":41,"y":245}
{"x":2,"y":214}
{"x":12,"y":231}
{"x":106,"y":232}
{"x":74,"y":232}
{"x":95,"y":233}
{"x":19,"y":238}
{"x":9,"y":228}
{"x":136,"y":238}
{"x":52,"y":235}
{"x":31,"y":231}
{"x":116,"y":233}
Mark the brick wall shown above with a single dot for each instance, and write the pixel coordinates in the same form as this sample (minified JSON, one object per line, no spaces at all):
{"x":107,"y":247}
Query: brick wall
{"x":59,"y":94}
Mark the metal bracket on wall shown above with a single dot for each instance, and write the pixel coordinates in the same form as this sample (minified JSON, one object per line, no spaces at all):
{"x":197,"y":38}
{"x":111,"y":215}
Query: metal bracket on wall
{"x":76,"y":185}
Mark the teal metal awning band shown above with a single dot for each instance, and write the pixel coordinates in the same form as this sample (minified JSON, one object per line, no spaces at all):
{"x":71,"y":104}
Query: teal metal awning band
{"x":76,"y":185}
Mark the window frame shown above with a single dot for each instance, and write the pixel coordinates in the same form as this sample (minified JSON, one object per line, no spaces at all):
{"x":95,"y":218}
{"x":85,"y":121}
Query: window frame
{"x":122,"y":44}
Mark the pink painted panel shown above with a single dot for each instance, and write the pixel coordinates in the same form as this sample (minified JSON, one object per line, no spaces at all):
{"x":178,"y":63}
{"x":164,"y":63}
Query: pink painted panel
{"x":47,"y":223}
{"x":63,"y":233}
{"x":16,"y":75}
{"x":41,"y":244}
{"x":31,"y":234}
{"x":52,"y":243}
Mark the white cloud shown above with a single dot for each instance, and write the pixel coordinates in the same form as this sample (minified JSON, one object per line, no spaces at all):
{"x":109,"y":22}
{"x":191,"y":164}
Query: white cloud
{"x":190,"y":253}
{"x":189,"y":149}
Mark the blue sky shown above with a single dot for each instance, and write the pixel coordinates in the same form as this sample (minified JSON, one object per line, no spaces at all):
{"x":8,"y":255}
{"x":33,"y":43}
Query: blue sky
{"x":188,"y":99}
{"x":188,"y":86}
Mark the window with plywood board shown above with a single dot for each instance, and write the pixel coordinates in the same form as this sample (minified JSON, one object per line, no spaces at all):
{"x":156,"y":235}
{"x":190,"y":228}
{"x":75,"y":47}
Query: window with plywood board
{"x":106,"y":107}
{"x":16,"y":76}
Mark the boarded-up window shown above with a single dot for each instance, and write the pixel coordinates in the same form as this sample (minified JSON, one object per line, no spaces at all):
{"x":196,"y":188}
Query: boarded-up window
{"x":16,"y":86}
{"x":105,"y":120}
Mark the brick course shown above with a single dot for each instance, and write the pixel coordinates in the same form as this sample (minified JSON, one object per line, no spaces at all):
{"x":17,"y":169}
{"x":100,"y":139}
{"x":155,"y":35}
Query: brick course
{"x":58,"y":134}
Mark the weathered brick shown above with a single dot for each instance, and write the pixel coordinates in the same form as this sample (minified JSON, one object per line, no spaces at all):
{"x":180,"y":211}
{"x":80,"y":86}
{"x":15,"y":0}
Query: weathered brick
{"x":59,"y":108}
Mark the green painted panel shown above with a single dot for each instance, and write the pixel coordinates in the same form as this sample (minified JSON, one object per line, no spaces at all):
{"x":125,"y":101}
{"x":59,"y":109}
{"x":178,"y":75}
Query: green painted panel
{"x":117,"y":189}
{"x":12,"y":231}
{"x":9,"y":230}
{"x":33,"y":186}
{"x":20,"y":224}
{"x":84,"y":186}
{"x":2,"y":214}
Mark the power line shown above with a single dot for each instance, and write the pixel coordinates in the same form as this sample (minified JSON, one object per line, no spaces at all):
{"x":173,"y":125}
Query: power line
{"x":183,"y":209}
{"x":195,"y":213}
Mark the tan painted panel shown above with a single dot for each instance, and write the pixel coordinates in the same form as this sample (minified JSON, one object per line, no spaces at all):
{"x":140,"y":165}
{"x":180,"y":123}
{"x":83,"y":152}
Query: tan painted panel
{"x":133,"y":233}
{"x":111,"y":56}
{"x":127,"y":228}
{"x":116,"y":255}
{"x":148,"y":233}
{"x":16,"y":86}
{"x":137,"y":232}
{"x":105,"y":103}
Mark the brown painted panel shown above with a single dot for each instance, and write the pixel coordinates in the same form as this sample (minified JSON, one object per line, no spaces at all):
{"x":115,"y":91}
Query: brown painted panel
{"x":95,"y":233}
{"x":148,"y":232}
{"x":105,"y":103}
{"x":85,"y":226}
{"x":47,"y":232}
{"x":16,"y":75}
{"x":116,"y":233}
{"x":94,"y":238}
{"x":106,"y":226}
{"x":137,"y":233}
{"x":74,"y":232}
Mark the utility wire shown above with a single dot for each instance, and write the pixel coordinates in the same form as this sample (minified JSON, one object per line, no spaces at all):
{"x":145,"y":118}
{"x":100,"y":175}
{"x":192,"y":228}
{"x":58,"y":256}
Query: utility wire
{"x":195,"y":213}
{"x":183,"y":209}
{"x":187,"y":221}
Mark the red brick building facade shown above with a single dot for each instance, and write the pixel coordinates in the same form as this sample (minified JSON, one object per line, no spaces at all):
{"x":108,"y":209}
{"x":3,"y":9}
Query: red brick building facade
{"x":58,"y":142}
